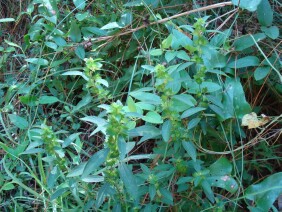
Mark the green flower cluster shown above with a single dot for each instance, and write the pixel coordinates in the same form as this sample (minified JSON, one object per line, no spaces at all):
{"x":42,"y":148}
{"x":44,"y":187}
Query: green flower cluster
{"x":162,"y":79}
{"x":52,"y":146}
{"x":199,"y":40}
{"x":95,"y":82}
{"x":116,"y":130}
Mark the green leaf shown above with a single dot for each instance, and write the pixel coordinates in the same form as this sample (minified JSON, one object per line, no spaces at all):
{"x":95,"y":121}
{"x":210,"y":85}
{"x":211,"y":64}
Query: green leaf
{"x":29,"y":100}
{"x":95,"y":120}
{"x":234,"y":99}
{"x":100,"y":122}
{"x":112,"y":25}
{"x":182,"y":55}
{"x":265,"y":13}
{"x":80,"y":4}
{"x":219,"y":111}
{"x":178,"y":106}
{"x":207,"y":190}
{"x":75,"y":33}
{"x":34,"y":144}
{"x":95,"y":161}
{"x":80,"y":52}
{"x":185,"y":99}
{"x":215,"y":100}
{"x":190,"y":148}
{"x":226,"y":182}
{"x":103,"y":82}
{"x":88,"y":31}
{"x":220,"y":38}
{"x":59,"y":192}
{"x":7,"y":186}
{"x":103,"y":191}
{"x":131,"y":104}
{"x":244,"y":62}
{"x":52,"y":178}
{"x":48,"y":100}
{"x":246,"y":41}
{"x":212,"y":58}
{"x":183,"y":180}
{"x":146,"y":130}
{"x":81,"y":16}
{"x":126,"y":18}
{"x":174,"y":85}
{"x":10,"y":49}
{"x":52,"y":18}
{"x":12,"y":44}
{"x":3,"y":20}
{"x":18,"y":121}
{"x":37,"y":61}
{"x":77,"y":171}
{"x":134,"y":3}
{"x":60,"y":41}
{"x":170,"y":55}
{"x":272,"y":32}
{"x":144,"y":106}
{"x":122,"y":147}
{"x":146,"y":97}
{"x":153,"y":117}
{"x":250,"y":5}
{"x":221,"y":167}
{"x":76,"y":73}
{"x":33,"y":151}
{"x":261,"y":72}
{"x":86,"y":100}
{"x":70,"y":139}
{"x":153,"y":4}
{"x":128,"y":180}
{"x":52,"y":45}
{"x":156,"y":52}
{"x":141,"y":157}
{"x":192,"y":111}
{"x":128,"y":146}
{"x":180,"y":39}
{"x":93,"y":179}
{"x":166,"y":130}
{"x":149,"y":68}
{"x":8,"y":149}
{"x":152,"y":192}
{"x":193,"y":123}
{"x":166,"y":196}
{"x":265,"y":193}
{"x":166,"y":43}
{"x":211,"y":86}
{"x":214,"y":71}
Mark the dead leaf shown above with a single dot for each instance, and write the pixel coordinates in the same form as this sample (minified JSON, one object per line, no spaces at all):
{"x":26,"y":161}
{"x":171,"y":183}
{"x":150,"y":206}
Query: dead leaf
{"x":251,"y":120}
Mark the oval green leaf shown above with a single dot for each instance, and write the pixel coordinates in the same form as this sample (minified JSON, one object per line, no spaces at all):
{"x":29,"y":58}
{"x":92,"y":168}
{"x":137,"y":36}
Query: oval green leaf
{"x":48,"y":100}
{"x":261,"y":72}
{"x":153,"y":117}
{"x":265,"y":13}
{"x":244,"y":62}
{"x":18,"y":121}
{"x":37,"y":61}
{"x":190,"y":148}
{"x":192,"y":111}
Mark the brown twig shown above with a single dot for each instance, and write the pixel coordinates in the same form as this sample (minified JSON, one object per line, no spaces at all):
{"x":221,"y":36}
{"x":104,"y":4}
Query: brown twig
{"x":229,"y":3}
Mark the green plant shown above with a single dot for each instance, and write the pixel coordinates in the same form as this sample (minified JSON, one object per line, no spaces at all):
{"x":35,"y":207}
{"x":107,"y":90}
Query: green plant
{"x":127,"y":106}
